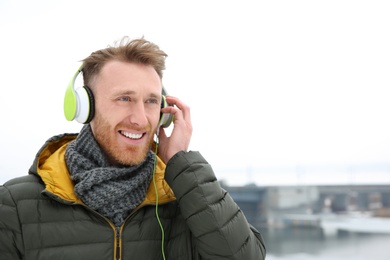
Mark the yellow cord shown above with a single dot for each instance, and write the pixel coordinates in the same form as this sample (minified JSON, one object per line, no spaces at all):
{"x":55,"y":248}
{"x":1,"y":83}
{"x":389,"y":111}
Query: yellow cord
{"x":158,"y":218}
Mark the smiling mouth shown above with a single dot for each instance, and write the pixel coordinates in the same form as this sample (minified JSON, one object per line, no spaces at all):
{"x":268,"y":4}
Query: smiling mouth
{"x":131,"y":135}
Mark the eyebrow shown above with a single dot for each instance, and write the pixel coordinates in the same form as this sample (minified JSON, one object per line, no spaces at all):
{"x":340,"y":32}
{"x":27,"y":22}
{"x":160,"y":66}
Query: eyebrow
{"x":155,"y":95}
{"x":131,"y":92}
{"x":121,"y":92}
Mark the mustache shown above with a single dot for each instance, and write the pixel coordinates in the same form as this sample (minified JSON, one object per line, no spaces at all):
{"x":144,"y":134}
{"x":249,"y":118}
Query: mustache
{"x":135,"y":127}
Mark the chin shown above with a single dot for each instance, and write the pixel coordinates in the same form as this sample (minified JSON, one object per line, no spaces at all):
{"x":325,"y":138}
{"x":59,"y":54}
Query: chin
{"x":131,"y":158}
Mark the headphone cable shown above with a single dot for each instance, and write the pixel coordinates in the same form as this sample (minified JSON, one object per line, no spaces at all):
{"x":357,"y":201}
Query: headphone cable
{"x":158,"y":218}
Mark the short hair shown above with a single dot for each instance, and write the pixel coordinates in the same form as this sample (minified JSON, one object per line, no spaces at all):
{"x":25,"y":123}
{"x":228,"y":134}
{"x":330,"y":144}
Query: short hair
{"x":138,"y":51}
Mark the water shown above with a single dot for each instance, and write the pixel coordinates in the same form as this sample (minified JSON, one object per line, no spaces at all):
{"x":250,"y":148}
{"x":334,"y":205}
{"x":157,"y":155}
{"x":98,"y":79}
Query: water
{"x":312,"y":243}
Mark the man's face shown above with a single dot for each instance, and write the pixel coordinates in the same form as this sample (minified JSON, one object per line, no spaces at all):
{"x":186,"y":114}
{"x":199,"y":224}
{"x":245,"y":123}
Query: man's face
{"x":127,"y":110}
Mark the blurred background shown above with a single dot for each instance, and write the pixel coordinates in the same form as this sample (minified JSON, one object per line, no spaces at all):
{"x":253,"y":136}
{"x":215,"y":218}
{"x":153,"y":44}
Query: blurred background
{"x":289,"y":102}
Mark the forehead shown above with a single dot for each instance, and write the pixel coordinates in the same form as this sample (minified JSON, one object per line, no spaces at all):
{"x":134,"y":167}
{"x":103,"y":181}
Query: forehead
{"x":119,"y":74}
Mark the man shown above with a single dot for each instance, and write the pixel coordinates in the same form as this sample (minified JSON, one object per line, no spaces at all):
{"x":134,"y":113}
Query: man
{"x":112,"y":191}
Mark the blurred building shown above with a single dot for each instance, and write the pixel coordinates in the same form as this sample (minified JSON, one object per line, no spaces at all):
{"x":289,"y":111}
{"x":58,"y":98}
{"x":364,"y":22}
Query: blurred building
{"x":277,"y":206}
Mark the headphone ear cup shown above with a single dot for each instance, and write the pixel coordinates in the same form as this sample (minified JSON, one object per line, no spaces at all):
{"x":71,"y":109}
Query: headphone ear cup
{"x":70,"y":99}
{"x":165,"y":119}
{"x":70,"y":103}
{"x":85,"y":105}
{"x":79,"y":103}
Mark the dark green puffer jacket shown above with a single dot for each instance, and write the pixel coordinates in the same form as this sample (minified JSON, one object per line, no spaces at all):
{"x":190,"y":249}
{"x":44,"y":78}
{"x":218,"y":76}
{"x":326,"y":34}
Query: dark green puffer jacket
{"x":42,"y":218}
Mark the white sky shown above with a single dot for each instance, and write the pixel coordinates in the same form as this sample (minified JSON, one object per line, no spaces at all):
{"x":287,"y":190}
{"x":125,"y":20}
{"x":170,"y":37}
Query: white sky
{"x":272,"y":85}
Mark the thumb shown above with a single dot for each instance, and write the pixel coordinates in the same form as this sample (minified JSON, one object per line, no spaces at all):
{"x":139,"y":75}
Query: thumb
{"x":162,"y":136}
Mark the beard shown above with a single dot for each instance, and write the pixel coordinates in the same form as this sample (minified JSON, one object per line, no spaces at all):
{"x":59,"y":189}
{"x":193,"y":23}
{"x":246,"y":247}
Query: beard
{"x":119,"y":153}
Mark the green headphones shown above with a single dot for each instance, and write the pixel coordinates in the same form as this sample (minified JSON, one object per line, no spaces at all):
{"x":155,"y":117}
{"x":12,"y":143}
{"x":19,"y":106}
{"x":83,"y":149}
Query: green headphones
{"x":79,"y":104}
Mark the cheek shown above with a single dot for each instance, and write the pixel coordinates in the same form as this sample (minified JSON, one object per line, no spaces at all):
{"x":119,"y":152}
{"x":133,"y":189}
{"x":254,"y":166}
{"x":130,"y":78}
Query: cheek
{"x":155,"y":118}
{"x":107,"y":111}
{"x":152,"y":114}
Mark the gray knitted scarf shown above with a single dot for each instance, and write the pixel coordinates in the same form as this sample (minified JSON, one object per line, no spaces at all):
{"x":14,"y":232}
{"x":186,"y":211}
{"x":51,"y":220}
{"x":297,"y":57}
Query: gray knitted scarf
{"x":111,"y":190}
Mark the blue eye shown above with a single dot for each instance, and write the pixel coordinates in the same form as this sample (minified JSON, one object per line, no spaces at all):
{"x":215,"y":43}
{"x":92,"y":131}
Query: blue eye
{"x":124,"y":99}
{"x":152,"y":101}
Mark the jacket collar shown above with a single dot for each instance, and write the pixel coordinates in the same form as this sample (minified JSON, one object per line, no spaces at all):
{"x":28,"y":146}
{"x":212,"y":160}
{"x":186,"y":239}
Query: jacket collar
{"x":50,"y":166}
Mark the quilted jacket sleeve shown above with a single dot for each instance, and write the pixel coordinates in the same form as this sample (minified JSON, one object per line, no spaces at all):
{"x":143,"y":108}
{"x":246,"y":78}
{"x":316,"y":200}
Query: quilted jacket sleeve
{"x":219,"y":226}
{"x":10,"y":233}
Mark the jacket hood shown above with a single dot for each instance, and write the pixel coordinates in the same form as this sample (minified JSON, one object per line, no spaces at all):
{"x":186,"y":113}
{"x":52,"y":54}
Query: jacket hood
{"x":50,"y":166}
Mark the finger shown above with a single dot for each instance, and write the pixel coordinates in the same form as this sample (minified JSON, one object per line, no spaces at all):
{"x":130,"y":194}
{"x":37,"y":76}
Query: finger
{"x":161,"y":134}
{"x":181,"y":105}
{"x":175,"y":111}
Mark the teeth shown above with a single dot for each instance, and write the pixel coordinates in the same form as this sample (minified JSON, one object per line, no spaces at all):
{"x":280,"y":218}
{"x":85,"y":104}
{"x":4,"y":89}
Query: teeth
{"x":132,"y":136}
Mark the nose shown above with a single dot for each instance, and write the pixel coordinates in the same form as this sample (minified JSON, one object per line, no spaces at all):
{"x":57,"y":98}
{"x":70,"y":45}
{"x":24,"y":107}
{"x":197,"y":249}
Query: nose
{"x":138,"y":115}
